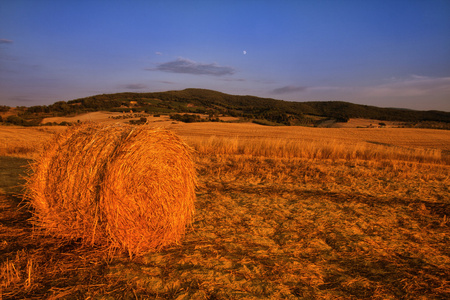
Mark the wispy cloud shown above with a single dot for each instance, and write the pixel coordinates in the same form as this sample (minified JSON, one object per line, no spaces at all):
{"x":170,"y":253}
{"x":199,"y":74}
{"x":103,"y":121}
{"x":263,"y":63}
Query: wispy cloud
{"x":134,"y":86}
{"x":5,"y":41}
{"x":234,"y":79}
{"x":289,"y":89}
{"x":23,"y":99}
{"x":166,"y":82}
{"x":412,"y":86}
{"x":158,"y":53}
{"x":186,"y":66}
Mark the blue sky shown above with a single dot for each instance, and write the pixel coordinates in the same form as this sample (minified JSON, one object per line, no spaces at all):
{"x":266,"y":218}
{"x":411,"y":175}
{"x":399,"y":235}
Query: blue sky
{"x":383,"y":53}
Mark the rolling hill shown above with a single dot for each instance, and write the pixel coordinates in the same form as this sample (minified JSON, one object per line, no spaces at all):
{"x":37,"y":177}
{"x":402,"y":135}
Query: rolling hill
{"x":213,"y":103}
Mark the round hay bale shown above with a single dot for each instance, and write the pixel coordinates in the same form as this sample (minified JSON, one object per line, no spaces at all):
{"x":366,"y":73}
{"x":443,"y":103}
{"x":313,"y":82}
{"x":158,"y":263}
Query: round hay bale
{"x":126,"y":187}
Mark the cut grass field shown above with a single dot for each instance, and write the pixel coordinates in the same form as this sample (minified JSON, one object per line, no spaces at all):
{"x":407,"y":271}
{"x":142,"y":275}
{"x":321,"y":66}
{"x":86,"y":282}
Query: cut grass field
{"x":357,"y":215}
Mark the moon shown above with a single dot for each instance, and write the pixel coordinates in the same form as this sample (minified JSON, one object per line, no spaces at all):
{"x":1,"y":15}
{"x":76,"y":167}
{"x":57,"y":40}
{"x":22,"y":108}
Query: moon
{"x":245,"y":52}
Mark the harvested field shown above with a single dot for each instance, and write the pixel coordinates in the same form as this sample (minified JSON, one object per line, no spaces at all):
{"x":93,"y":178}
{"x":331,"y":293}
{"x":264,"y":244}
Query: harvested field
{"x":24,"y":142}
{"x":108,"y":117}
{"x":396,"y":137}
{"x":269,"y":224}
{"x":355,"y":123}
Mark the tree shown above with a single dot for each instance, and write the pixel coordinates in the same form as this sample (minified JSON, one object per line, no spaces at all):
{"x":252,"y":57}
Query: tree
{"x":186,"y":118}
{"x":15,"y":120}
{"x":4,"y":108}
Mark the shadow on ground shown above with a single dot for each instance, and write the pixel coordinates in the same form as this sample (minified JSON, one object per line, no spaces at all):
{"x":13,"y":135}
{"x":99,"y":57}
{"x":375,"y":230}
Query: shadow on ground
{"x":13,"y":171}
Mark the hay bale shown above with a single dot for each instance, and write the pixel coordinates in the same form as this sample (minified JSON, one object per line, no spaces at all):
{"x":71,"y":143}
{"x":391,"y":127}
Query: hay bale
{"x":126,"y":187}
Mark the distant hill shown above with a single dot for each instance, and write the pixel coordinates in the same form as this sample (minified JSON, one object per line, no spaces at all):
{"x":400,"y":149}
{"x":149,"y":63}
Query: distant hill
{"x":213,"y":103}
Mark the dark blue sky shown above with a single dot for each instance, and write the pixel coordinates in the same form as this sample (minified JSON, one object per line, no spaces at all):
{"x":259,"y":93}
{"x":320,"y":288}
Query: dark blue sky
{"x":383,"y":53}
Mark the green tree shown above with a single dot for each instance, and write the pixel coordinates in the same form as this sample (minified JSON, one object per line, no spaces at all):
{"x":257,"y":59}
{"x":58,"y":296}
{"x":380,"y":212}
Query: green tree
{"x":15,"y":120}
{"x":4,"y":108}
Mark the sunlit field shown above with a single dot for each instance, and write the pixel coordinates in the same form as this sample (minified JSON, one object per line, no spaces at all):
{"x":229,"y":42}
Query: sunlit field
{"x":281,"y":213}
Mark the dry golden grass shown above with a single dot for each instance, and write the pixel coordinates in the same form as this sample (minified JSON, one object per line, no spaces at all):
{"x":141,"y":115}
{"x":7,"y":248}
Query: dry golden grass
{"x":97,"y":116}
{"x":12,"y":138}
{"x":105,"y":117}
{"x":124,"y":187}
{"x":320,"y":229}
{"x":24,"y":141}
{"x":398,"y":137}
{"x":281,"y":213}
{"x":331,"y":149}
{"x":355,"y":123}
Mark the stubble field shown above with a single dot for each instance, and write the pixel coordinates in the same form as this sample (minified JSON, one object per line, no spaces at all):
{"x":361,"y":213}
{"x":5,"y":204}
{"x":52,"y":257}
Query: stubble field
{"x":281,"y":213}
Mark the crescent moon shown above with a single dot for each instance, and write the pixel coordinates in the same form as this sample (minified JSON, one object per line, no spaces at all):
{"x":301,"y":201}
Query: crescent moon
{"x":245,"y":52}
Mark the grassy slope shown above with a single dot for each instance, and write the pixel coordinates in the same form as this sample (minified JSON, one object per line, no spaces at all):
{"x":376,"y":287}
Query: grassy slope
{"x":265,"y":227}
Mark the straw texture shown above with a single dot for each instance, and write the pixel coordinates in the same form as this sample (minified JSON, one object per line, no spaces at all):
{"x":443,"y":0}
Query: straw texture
{"x":131,"y":188}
